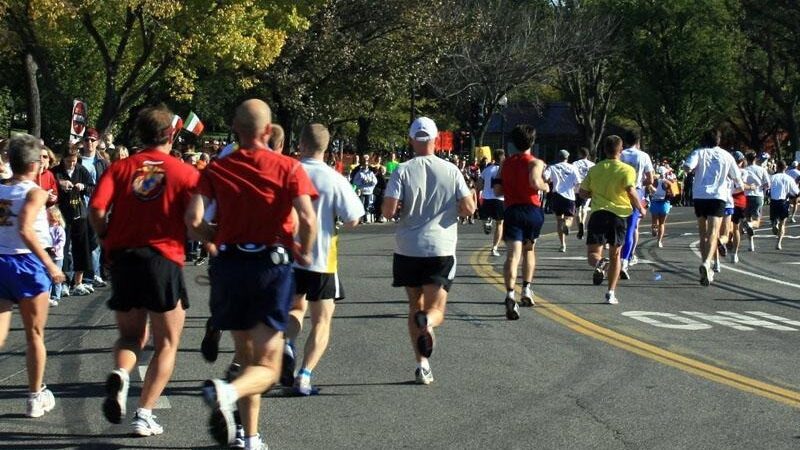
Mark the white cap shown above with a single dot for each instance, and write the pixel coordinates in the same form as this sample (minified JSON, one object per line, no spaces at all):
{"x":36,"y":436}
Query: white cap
{"x":423,"y":130}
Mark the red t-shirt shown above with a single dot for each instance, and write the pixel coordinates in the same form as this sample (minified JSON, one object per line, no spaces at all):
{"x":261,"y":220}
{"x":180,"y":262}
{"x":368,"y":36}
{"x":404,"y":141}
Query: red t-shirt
{"x":515,"y":177}
{"x":149,"y":193}
{"x":47,"y":181}
{"x":255,"y":190}
{"x":740,"y":200}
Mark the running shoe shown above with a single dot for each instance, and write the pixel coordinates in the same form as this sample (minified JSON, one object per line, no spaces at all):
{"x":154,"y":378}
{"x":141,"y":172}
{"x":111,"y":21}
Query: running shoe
{"x":512,"y":309}
{"x":146,"y":425}
{"x":580,"y":231}
{"x":775,"y":229}
{"x":716,"y":267}
{"x":654,"y":230}
{"x":81,"y":289}
{"x":495,"y":252}
{"x":303,"y":387}
{"x":562,"y":248}
{"x":200,"y":261}
{"x":611,"y":299}
{"x":778,"y":246}
{"x":565,"y":229}
{"x":623,"y":271}
{"x":634,"y":260}
{"x":221,"y":424}
{"x":748,"y":230}
{"x":114,"y":405}
{"x":527,"y":297}
{"x":599,"y":271}
{"x":233,"y":372}
{"x":209,"y":347}
{"x":40,"y":403}
{"x":287,"y":368}
{"x":705,"y":275}
{"x":487,"y":227}
{"x":660,"y":244}
{"x":259,"y":444}
{"x":723,"y":251}
{"x":65,"y":290}
{"x":423,"y":376}
{"x":239,"y":441}
{"x":53,"y":302}
{"x":426,"y":339}
{"x":98,"y":282}
{"x":734,"y":258}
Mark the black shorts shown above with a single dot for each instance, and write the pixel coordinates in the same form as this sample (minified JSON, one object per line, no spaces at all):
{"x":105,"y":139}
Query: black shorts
{"x":562,"y":206}
{"x":606,"y":227}
{"x":417,"y":271}
{"x":738,"y":215}
{"x":492,"y":209}
{"x":523,"y":223}
{"x":144,"y":278}
{"x":707,"y":207}
{"x":778,"y":210}
{"x":248,"y":288}
{"x":317,"y":286}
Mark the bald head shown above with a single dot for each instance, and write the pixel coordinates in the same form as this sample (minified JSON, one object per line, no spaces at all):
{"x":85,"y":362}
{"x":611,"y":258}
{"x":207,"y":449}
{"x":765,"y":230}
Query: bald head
{"x":253,"y":119}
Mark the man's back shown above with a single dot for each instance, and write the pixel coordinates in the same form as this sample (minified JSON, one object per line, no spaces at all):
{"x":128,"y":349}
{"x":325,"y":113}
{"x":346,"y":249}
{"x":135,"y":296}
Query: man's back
{"x":758,"y":176}
{"x":564,"y":177}
{"x":429,"y":189}
{"x":491,"y":172}
{"x":608,"y":181}
{"x":783,"y":186}
{"x":712,"y":167}
{"x":641,"y":163}
{"x":515,"y":176}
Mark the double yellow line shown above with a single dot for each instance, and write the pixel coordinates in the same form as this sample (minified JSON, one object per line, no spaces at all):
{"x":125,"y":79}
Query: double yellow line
{"x":483,"y":267}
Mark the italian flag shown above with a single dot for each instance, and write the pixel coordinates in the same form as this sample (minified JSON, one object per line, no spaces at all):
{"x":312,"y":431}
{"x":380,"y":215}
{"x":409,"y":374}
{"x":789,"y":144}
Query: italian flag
{"x":176,"y":126}
{"x":193,"y":124}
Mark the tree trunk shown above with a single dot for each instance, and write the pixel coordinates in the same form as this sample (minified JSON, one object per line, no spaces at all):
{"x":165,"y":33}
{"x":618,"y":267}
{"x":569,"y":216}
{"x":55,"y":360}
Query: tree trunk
{"x":34,"y":102}
{"x":362,"y":141}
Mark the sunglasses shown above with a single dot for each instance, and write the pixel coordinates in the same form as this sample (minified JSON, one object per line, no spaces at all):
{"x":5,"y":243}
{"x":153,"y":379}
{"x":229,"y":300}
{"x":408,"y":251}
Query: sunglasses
{"x":90,"y":139}
{"x":45,"y":156}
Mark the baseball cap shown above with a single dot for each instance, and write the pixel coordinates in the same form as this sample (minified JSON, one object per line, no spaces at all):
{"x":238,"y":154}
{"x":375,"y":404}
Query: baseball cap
{"x":563,"y":154}
{"x":738,"y":156}
{"x":763,"y":155}
{"x":91,"y":133}
{"x":423,"y":129}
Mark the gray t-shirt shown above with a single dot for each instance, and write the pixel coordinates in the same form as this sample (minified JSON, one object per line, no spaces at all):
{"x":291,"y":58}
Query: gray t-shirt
{"x":430,"y":189}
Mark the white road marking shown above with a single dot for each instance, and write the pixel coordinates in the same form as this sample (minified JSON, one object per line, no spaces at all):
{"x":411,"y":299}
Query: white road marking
{"x":737,"y":321}
{"x":583,"y":258}
{"x":729,"y":319}
{"x":684,"y":323}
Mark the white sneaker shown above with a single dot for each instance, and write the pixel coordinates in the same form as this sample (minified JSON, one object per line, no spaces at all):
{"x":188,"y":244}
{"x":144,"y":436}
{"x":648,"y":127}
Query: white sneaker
{"x":114,"y":406}
{"x":146,"y":425}
{"x":40,"y":402}
{"x":221,"y":398}
{"x":423,"y":376}
{"x":734,"y":258}
{"x":562,"y":248}
{"x":89,"y":287}
{"x":65,"y":290}
{"x":259,"y":445}
{"x":611,"y":299}
{"x":527,"y":297}
{"x":660,"y":244}
{"x":53,"y":302}
{"x":81,"y":289}
{"x":716,"y":267}
{"x":495,"y":252}
{"x":98,"y":281}
{"x":778,"y":246}
{"x":634,"y":260}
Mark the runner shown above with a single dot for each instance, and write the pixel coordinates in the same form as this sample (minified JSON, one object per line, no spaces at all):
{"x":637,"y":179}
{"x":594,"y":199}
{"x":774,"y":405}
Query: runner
{"x":783,"y":187}
{"x":522,"y":183}
{"x":564,"y":178}
{"x":739,"y":211}
{"x":146,"y":262}
{"x":660,"y":204}
{"x":582,"y":204}
{"x":757,"y":177}
{"x":794,"y":173}
{"x":643,"y":165}
{"x":26,"y":270}
{"x":611,"y":184}
{"x":251,"y":277}
{"x":318,"y":284}
{"x":713,"y":168}
{"x":492,"y":204}
{"x":365,"y":181}
{"x":433,"y":195}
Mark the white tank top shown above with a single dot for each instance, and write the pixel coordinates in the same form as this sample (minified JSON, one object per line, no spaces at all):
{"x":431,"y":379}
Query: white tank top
{"x":12,"y":197}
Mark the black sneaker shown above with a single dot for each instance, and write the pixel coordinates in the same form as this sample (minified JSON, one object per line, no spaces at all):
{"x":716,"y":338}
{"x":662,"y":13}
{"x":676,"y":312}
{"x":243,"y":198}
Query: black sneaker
{"x":748,"y":229}
{"x":487,"y":227}
{"x":599,"y":272}
{"x":426,"y":340}
{"x":624,"y":274}
{"x":209,"y":347}
{"x":580,"y":231}
{"x":287,"y":368}
{"x":723,"y":251}
{"x":512,"y":309}
{"x":200,"y":261}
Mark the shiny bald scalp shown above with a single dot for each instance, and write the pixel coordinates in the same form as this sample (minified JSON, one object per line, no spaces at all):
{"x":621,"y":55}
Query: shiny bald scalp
{"x":252,"y":118}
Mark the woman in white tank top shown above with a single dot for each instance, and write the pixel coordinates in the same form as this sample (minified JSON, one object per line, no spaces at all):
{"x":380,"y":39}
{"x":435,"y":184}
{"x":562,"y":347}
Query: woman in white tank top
{"x":26,"y":269}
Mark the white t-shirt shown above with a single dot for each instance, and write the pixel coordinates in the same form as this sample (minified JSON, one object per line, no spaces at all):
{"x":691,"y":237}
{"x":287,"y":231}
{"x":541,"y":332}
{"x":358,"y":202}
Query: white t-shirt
{"x":13,"y":198}
{"x":794,"y":173}
{"x":430,"y":189}
{"x":490,"y":172}
{"x":755,"y":175}
{"x":712,"y":169}
{"x":336,"y":199}
{"x":782,"y":186}
{"x":583,"y":166}
{"x":565,"y":179}
{"x":641,"y":163}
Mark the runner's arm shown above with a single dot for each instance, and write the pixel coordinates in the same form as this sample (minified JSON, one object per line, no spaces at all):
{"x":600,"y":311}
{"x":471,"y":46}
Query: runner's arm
{"x":466,"y":206}
{"x":307,"y":228}
{"x":193,"y":218}
{"x":636,"y":202}
{"x":34,"y":202}
{"x":536,"y":169}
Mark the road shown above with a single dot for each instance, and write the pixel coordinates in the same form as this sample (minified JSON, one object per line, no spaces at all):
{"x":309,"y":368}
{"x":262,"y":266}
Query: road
{"x":675,"y":365}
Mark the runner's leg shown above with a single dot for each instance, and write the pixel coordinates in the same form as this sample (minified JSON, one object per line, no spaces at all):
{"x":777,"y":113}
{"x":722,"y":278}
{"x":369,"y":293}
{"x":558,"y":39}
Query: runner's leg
{"x":167,"y":328}
{"x":317,"y":343}
{"x":34,"y":317}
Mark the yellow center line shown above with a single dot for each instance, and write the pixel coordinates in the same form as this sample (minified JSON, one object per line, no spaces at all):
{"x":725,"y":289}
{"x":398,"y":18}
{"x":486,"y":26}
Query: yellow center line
{"x":484,"y":269}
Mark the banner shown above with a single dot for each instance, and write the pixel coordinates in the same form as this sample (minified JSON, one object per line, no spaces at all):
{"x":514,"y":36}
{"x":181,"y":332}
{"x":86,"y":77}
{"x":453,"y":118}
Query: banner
{"x":78,"y":122}
{"x":445,"y":141}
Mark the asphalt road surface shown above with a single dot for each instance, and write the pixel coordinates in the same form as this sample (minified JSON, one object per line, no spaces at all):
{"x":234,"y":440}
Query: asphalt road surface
{"x":675,"y":365}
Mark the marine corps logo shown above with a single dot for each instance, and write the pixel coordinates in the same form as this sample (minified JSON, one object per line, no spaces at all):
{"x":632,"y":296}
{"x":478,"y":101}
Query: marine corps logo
{"x":149,"y":181}
{"x":6,"y":214}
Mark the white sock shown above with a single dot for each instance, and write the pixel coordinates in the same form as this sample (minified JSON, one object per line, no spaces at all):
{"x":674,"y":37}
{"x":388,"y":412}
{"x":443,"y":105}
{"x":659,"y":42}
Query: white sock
{"x":610,"y":292}
{"x":424,"y":364}
{"x":510,"y":294}
{"x":144,"y":413}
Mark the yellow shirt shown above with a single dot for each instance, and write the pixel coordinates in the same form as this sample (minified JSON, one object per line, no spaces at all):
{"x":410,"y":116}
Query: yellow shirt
{"x":608,"y":181}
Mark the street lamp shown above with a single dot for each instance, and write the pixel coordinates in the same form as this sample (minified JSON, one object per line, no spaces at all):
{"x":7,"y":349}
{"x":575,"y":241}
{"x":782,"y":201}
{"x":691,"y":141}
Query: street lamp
{"x":502,"y":103}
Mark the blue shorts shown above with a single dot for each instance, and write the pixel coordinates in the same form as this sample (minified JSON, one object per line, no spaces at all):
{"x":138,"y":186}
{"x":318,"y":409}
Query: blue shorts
{"x":247,"y":289}
{"x":522,"y":223}
{"x":22,"y":276}
{"x":660,"y":207}
{"x":728,"y":212}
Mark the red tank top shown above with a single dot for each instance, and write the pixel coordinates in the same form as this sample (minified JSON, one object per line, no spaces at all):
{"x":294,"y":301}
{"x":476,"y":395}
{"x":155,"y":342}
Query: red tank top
{"x":517,"y":187}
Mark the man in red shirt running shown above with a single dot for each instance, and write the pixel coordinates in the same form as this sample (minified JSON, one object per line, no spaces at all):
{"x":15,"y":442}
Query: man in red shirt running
{"x":521,"y":183}
{"x":252,"y":283}
{"x":147,"y":261}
